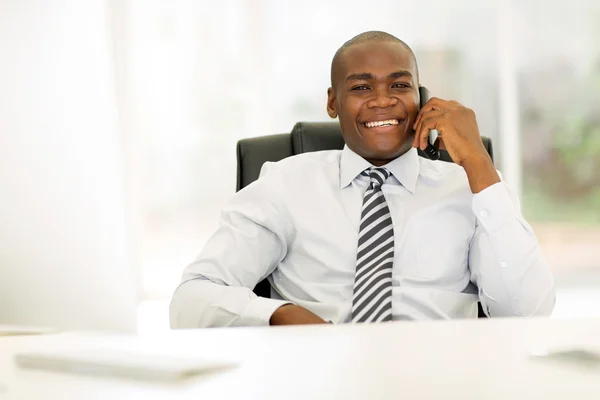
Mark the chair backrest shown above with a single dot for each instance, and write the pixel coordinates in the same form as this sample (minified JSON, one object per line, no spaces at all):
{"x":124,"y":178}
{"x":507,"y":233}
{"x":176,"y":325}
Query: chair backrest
{"x":252,"y":153}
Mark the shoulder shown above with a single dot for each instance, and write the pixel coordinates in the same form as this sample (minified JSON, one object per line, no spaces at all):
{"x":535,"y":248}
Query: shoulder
{"x":442,"y":173}
{"x":288,"y":178}
{"x":439,"y":167}
{"x":303,"y":164}
{"x":280,"y":180}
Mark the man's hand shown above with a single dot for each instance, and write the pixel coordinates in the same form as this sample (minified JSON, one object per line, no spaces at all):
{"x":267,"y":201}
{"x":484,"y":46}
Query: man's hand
{"x":459,"y":135}
{"x":291,"y":314}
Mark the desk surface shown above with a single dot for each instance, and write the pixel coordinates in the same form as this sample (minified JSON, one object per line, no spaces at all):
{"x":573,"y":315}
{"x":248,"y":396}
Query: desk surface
{"x":480,"y":359}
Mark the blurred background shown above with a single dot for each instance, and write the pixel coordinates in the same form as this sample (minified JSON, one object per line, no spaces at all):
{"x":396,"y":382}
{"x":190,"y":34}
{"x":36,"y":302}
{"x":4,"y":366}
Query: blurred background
{"x":115,"y":117}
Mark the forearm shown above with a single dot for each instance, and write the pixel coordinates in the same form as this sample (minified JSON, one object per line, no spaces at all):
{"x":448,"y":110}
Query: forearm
{"x":200,"y":303}
{"x":510,"y":270}
{"x":514,"y":278}
{"x":481,"y":173}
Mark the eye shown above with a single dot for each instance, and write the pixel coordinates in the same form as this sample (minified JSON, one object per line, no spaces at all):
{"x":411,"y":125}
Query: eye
{"x":400,"y":85}
{"x":360,"y":87}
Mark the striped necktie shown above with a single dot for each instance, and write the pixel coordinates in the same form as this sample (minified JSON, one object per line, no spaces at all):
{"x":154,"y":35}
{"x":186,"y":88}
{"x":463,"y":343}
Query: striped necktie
{"x":372,"y":298}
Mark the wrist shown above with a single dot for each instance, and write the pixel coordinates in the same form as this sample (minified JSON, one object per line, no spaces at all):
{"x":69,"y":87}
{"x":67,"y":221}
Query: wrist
{"x":477,"y":161}
{"x":480,"y":172}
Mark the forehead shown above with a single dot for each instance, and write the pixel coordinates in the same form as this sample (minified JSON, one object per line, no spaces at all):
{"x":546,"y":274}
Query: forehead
{"x":377,"y":58}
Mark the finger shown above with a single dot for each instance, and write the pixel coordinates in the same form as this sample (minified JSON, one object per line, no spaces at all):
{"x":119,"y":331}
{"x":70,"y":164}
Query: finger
{"x":428,"y":119}
{"x":418,"y":129}
{"x":428,"y":107}
{"x":427,"y":124}
{"x":428,"y":114}
{"x":439,"y":143}
{"x":435,"y":103}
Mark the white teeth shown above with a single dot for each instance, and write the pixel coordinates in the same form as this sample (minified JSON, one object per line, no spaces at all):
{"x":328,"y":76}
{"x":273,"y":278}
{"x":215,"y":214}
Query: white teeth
{"x":381,"y":123}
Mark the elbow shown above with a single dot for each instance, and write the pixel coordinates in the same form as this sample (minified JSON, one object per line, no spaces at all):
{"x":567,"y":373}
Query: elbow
{"x":187,"y":307}
{"x":175,"y":309}
{"x":527,"y":306}
{"x":543,"y":307}
{"x":535,"y":306}
{"x":196,"y":304}
{"x":535,"y":295}
{"x":540,"y":298}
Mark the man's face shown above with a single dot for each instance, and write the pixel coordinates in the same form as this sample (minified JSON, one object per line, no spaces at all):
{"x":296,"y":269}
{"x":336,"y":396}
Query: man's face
{"x":376,"y":98}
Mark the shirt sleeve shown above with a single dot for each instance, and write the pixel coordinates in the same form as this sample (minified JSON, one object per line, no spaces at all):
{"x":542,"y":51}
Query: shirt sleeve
{"x":216,"y":289}
{"x":505,"y":258}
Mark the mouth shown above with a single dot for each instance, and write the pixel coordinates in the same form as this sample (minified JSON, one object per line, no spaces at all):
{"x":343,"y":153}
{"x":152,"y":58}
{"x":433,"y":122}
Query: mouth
{"x":382,"y":123}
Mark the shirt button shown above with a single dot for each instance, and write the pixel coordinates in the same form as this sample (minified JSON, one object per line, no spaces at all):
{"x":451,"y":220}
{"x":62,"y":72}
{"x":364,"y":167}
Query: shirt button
{"x":483,"y":213}
{"x":503,"y":264}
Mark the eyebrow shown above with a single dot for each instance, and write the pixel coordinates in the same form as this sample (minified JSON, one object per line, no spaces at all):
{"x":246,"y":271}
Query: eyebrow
{"x":368,"y":76}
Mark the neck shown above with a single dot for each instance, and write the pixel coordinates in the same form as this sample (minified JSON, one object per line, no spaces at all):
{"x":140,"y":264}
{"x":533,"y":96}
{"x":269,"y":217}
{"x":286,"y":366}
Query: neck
{"x":379,"y":162}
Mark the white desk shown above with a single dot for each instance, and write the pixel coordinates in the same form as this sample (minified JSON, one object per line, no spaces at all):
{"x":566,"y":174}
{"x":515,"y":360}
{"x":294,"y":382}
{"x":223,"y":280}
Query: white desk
{"x":486,"y":359}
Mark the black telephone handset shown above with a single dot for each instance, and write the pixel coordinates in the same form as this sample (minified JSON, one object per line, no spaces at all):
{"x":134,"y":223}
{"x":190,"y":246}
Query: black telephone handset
{"x":430,"y":151}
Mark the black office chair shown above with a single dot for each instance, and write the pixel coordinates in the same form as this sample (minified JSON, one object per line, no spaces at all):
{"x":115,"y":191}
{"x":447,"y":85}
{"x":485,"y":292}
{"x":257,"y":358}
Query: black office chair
{"x":252,"y":153}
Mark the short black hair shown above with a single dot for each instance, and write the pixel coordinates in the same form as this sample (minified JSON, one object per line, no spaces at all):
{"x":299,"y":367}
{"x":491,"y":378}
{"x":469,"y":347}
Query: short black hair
{"x":370,"y":36}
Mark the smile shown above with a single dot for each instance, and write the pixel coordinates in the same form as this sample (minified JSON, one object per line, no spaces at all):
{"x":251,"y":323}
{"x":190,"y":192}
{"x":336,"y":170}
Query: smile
{"x":377,"y":124}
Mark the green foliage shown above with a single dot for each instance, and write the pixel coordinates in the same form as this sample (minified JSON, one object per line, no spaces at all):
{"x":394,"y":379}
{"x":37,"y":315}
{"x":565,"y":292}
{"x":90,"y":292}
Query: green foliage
{"x":538,"y":206}
{"x":564,"y":183}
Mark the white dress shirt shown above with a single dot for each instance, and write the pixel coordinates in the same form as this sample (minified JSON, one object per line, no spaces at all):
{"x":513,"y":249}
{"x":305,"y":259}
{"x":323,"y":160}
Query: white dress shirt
{"x":298,"y":225}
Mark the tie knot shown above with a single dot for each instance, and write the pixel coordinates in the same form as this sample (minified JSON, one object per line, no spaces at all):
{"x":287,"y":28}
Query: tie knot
{"x":378,"y":175}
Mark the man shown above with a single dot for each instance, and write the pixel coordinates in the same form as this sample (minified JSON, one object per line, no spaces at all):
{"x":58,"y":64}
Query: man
{"x":372,"y":233}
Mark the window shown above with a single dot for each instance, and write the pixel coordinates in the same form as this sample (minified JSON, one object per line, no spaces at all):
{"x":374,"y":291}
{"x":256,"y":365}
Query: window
{"x":202,"y":75}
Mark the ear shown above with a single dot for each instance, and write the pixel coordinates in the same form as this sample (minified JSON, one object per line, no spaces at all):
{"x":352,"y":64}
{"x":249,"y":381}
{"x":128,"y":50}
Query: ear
{"x":331,"y":109}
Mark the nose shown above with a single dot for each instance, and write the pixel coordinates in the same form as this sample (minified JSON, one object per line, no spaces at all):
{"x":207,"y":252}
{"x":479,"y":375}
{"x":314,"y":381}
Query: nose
{"x":382,"y":98}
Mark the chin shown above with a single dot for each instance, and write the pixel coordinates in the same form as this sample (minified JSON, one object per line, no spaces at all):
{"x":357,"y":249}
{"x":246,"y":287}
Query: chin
{"x":387,"y":155}
{"x":383,"y":146}
{"x":386,"y":142}
{"x":387,"y":150}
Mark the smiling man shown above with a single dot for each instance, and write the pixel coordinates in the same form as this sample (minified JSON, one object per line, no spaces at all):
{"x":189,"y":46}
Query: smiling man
{"x":381,"y":130}
{"x":372,"y":233}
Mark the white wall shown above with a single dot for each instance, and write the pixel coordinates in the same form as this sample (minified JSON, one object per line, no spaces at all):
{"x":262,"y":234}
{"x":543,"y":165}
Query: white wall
{"x":64,"y":245}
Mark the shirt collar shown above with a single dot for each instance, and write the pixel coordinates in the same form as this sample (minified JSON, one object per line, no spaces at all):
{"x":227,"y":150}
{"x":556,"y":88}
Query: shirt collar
{"x":404,"y":168}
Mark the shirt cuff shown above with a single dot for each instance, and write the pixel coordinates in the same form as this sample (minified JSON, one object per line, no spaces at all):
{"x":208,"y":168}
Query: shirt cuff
{"x":259,"y":311}
{"x":493,"y":207}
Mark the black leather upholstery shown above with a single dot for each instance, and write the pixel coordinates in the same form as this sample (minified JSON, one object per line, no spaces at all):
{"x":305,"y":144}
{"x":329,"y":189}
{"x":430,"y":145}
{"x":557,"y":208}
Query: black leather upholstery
{"x":316,"y":136}
{"x":252,"y":153}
